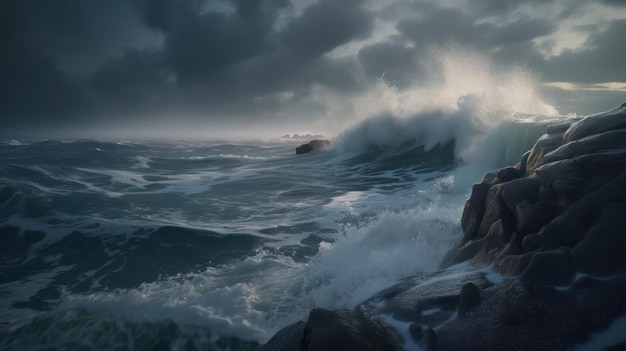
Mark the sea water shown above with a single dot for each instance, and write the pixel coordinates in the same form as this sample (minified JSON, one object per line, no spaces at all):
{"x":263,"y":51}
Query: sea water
{"x":191,"y":244}
{"x":109,"y":244}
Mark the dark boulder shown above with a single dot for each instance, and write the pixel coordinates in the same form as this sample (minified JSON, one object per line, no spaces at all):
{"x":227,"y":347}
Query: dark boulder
{"x":469,"y":298}
{"x":311,"y":146}
{"x":603,"y":250}
{"x":611,"y":140}
{"x":286,"y":339}
{"x":336,"y":330}
{"x":547,"y":143}
{"x":600,"y":301}
{"x":597,"y":123}
{"x":518,"y":190}
{"x":428,"y":299}
{"x":551,"y":268}
{"x":514,"y":315}
{"x":531,"y":218}
{"x":474,"y":210}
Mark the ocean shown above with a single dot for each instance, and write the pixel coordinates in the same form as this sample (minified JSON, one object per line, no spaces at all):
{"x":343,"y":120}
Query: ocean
{"x":217,"y":244}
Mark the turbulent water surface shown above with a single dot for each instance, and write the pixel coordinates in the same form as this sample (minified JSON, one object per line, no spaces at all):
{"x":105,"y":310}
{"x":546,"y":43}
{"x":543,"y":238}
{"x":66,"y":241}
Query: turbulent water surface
{"x":218,"y":244}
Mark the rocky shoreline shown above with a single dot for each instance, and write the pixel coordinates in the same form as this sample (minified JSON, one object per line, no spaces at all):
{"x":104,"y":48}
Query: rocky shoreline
{"x":554,"y":226}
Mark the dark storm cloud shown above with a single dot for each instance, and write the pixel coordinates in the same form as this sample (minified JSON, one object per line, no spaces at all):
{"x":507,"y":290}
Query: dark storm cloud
{"x":584,"y":101}
{"x":31,"y":85}
{"x":614,"y":2}
{"x":327,"y":25}
{"x":442,"y":24}
{"x":46,"y":46}
{"x":433,"y":25}
{"x":499,"y":7}
{"x":392,"y":60}
{"x":137,"y":80}
{"x":508,"y":43}
{"x":522,"y":31}
{"x":73,"y":60}
{"x":199,"y":45}
{"x":601,"y":59}
{"x":240,"y":59}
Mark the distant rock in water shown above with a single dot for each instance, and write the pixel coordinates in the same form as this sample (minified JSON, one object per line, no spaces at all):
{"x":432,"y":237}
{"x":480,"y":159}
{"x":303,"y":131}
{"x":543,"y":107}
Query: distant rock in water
{"x":311,"y":146}
{"x":554,"y":226}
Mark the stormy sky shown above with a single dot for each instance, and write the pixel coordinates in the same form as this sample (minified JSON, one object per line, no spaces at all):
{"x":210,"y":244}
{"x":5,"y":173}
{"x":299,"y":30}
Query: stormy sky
{"x":227,"y":66}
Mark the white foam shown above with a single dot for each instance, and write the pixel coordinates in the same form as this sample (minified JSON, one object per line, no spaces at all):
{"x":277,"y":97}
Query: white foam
{"x":142,"y":162}
{"x":255,"y":297}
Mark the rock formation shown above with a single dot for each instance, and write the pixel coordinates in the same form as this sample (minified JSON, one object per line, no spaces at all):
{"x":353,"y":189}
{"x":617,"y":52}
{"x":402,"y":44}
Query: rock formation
{"x":312,"y":145}
{"x":554,"y":226}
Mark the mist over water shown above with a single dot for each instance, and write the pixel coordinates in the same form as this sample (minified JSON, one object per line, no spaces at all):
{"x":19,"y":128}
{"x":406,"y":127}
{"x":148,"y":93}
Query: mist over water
{"x":237,"y":238}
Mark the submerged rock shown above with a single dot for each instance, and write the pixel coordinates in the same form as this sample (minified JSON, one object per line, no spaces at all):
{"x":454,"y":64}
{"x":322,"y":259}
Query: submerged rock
{"x":311,"y":146}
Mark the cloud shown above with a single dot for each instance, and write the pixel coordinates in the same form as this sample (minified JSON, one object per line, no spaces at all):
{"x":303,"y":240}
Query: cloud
{"x":32,"y":88}
{"x":326,"y":25}
{"x":520,"y":31}
{"x":614,"y":2}
{"x":240,"y":58}
{"x":583,"y":100}
{"x":225,"y":61}
{"x":393,"y":60}
{"x":601,"y":58}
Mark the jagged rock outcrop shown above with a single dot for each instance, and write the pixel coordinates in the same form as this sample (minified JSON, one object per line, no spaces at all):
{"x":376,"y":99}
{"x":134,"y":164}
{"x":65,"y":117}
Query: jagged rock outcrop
{"x":560,"y":216}
{"x":311,"y":146}
{"x":554,"y":226}
{"x":544,"y":223}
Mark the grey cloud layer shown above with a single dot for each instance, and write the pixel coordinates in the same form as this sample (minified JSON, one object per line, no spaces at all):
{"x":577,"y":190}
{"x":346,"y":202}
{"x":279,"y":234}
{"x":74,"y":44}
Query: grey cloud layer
{"x":261,"y":56}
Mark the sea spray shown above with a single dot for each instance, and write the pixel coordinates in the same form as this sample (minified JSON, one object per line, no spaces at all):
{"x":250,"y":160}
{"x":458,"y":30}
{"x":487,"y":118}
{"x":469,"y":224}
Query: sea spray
{"x":457,"y":78}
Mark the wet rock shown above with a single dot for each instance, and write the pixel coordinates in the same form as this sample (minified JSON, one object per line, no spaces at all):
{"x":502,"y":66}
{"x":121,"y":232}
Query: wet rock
{"x":523,"y":162}
{"x":409,"y":300}
{"x":597,"y":123}
{"x":474,"y":210}
{"x":601,"y":253}
{"x":469,"y":298}
{"x":531,"y":218}
{"x":547,"y":143}
{"x":508,"y":173}
{"x":513,"y":265}
{"x":551,"y":268}
{"x":611,"y":140}
{"x":286,"y":339}
{"x":516,"y":316}
{"x":416,"y":332}
{"x":518,"y":190}
{"x":311,"y":146}
{"x":569,"y":179}
{"x":336,"y":330}
{"x":561,"y":127}
{"x":430,"y":340}
{"x":600,"y":301}
{"x":347,"y":330}
{"x":495,"y":210}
